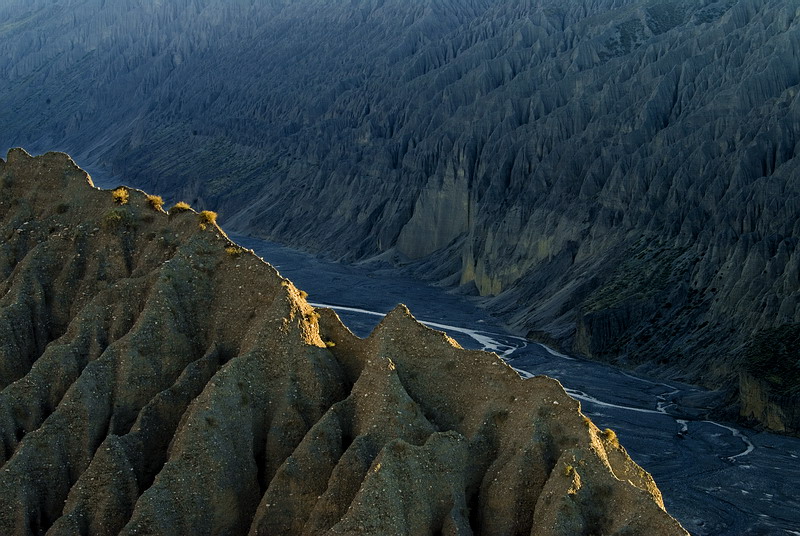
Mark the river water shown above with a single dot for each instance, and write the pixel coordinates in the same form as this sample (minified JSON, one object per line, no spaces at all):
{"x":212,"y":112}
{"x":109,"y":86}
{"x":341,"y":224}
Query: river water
{"x":717,"y":478}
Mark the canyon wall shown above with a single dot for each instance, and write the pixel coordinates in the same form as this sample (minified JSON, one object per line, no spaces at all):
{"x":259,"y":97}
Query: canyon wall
{"x":616,"y":176}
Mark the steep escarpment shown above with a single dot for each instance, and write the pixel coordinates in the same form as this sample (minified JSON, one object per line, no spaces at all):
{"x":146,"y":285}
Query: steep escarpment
{"x":155,"y":378}
{"x":616,"y":176}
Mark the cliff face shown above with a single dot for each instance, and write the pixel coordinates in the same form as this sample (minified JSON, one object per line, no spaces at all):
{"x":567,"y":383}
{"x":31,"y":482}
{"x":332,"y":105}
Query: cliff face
{"x":617,"y":175}
{"x":157,"y":379}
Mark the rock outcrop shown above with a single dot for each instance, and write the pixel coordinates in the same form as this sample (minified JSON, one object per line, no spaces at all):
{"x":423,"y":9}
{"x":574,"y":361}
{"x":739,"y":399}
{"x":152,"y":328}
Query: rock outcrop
{"x":155,"y":378}
{"x":619,"y":175}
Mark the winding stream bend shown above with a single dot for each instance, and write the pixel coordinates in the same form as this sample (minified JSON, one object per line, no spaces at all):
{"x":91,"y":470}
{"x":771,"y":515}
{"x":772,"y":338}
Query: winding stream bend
{"x":716,"y":478}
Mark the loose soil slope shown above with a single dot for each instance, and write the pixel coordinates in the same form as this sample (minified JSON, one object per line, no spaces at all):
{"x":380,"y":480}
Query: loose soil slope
{"x":157,"y":379}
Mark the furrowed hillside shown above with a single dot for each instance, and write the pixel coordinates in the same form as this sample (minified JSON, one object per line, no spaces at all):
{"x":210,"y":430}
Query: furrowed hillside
{"x":155,"y":378}
{"x":617,"y":177}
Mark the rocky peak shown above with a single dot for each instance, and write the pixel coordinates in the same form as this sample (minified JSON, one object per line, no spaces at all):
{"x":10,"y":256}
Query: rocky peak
{"x":155,"y":378}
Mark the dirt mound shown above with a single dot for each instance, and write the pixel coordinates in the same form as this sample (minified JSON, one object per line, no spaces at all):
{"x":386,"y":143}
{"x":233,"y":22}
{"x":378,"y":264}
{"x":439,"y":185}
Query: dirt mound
{"x":155,"y":378}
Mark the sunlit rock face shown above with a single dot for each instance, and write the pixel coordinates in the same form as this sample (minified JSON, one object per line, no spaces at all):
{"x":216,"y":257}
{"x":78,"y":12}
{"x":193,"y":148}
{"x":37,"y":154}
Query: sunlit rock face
{"x":155,"y":378}
{"x":618,"y":177}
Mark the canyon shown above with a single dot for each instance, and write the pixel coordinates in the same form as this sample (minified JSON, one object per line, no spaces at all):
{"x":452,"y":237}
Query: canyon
{"x":158,"y":378}
{"x":615,"y":178}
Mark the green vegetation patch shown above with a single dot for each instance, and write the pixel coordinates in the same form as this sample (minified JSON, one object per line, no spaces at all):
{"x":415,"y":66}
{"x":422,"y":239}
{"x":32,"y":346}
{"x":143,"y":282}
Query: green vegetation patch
{"x":117,"y":218}
{"x":773,"y":357}
{"x":647,"y":270}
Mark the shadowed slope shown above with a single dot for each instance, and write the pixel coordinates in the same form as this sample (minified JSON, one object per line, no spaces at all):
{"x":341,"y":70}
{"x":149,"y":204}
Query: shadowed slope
{"x":519,"y":148}
{"x":157,"y":379}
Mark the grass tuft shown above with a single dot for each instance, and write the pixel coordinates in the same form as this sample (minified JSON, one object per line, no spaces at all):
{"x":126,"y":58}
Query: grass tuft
{"x":120,"y":195}
{"x":156,"y":202}
{"x":180,"y":206}
{"x":207,"y":218}
{"x":611,"y":436}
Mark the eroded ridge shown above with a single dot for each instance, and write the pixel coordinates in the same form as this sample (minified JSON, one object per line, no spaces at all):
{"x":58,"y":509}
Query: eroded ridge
{"x":158,"y":379}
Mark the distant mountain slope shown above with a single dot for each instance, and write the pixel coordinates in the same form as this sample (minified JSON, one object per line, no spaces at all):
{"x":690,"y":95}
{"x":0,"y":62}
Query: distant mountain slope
{"x":157,"y":379}
{"x":618,"y":176}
